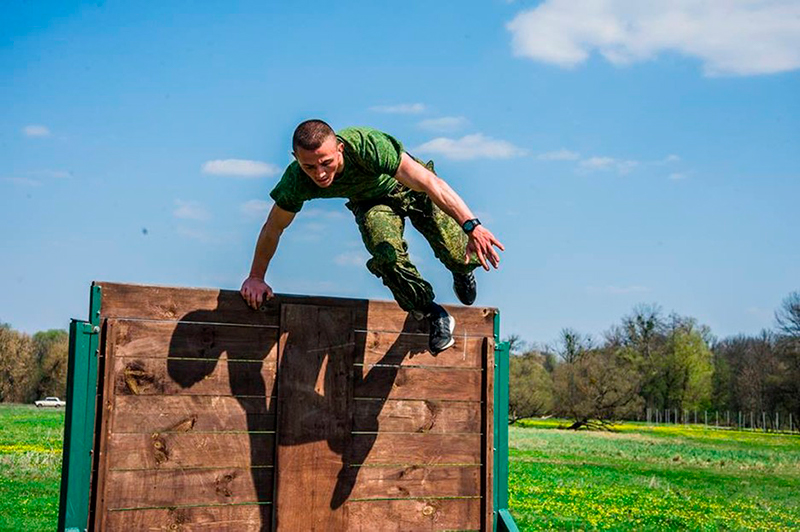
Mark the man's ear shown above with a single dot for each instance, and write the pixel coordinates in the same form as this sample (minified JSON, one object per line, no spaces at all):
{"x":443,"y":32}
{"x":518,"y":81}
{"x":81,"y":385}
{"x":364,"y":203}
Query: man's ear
{"x":340,"y":147}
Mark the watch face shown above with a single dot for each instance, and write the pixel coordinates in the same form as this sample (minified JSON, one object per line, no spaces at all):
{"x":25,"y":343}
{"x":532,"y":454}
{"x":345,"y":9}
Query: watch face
{"x":469,"y":225}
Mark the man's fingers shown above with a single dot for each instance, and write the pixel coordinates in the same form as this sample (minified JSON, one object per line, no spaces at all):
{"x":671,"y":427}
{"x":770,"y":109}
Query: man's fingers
{"x":494,"y":257}
{"x":482,"y":259}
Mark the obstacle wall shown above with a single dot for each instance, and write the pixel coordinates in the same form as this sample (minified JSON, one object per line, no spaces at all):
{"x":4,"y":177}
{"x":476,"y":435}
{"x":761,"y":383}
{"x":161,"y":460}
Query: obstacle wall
{"x":309,"y":414}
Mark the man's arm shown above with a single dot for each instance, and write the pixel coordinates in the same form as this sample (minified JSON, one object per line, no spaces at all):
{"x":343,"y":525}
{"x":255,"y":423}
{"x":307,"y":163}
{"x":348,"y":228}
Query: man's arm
{"x":254,"y":288}
{"x":417,"y":177}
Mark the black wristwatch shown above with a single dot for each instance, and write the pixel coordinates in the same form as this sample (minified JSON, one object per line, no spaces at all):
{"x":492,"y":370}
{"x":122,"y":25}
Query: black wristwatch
{"x":470,"y":225}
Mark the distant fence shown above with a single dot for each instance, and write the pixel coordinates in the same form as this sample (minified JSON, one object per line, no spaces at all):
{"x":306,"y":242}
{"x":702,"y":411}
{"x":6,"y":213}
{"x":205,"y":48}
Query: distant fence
{"x":740,"y":420}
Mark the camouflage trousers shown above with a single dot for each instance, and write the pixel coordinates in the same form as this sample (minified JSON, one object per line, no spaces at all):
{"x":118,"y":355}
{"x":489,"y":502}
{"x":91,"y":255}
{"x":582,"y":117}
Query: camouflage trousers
{"x":382,"y":221}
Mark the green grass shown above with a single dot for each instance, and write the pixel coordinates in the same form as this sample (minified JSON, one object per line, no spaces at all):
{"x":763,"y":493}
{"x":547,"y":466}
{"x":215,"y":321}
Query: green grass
{"x":30,"y":467}
{"x":636,"y":478}
{"x":653,"y":478}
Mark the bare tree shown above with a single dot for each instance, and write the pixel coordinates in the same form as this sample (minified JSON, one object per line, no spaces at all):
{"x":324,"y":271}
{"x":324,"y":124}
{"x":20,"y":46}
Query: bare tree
{"x":788,"y":315}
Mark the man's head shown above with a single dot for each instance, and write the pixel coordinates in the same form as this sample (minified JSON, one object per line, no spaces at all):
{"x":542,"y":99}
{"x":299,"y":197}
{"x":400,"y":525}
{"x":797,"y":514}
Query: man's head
{"x":318,"y":152}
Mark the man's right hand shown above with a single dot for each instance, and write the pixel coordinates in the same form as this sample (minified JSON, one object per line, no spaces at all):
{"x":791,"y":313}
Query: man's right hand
{"x":255,"y":291}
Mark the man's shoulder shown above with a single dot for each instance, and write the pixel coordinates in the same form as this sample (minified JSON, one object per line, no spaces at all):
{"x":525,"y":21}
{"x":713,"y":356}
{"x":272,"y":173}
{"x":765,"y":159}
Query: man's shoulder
{"x":356,"y":134}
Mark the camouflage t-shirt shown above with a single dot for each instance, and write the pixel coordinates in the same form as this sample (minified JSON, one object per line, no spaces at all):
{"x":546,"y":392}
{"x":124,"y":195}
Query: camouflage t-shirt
{"x":371,"y":159}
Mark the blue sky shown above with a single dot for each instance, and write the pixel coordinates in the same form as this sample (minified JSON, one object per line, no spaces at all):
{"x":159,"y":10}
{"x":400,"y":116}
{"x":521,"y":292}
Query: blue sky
{"x":623,"y":152}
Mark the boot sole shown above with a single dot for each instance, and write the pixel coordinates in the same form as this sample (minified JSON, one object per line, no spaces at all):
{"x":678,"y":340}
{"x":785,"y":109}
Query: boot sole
{"x":452,"y":338}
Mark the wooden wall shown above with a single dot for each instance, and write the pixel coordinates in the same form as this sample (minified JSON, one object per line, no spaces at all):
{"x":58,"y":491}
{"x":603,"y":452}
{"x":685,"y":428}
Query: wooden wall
{"x":310,"y":414}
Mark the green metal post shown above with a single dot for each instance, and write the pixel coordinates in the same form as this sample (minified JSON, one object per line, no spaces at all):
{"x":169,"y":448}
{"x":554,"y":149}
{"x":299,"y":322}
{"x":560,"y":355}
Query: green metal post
{"x":76,"y":469}
{"x":503,"y":521}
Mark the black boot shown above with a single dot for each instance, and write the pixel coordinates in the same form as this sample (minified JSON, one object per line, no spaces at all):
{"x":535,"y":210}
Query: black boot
{"x":442,"y":325}
{"x":465,"y":287}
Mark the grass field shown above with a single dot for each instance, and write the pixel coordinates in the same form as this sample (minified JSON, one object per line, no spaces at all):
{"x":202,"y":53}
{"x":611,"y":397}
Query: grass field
{"x":653,"y":478}
{"x":636,"y":478}
{"x":30,"y":467}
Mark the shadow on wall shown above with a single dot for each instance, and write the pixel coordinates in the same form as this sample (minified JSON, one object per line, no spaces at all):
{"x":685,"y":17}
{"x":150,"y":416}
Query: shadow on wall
{"x":199,"y":341}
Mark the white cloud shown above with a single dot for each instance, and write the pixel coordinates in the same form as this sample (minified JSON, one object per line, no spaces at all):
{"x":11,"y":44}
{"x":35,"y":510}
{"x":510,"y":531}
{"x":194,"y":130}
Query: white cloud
{"x":616,"y":290}
{"x":671,"y":159}
{"x":469,"y":147}
{"x":23,"y":181}
{"x":445,"y":124}
{"x":400,"y":109}
{"x":622,"y":166}
{"x":677,"y":176}
{"x":56,"y":174}
{"x":240,"y":167}
{"x":730,"y":37}
{"x":195,"y":234}
{"x":559,"y":155}
{"x":190,"y":210}
{"x":351,"y":259}
{"x":255,"y":208}
{"x":35,"y":130}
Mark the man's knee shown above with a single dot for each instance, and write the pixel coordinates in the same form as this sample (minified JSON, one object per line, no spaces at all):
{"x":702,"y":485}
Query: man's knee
{"x":384,"y":255}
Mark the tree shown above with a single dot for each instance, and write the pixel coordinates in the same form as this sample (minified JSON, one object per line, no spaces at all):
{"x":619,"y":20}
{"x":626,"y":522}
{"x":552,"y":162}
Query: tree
{"x":689,"y":366}
{"x":530,"y":389}
{"x":52,"y":350}
{"x":599,"y":387}
{"x":572,"y":345}
{"x":788,"y":316}
{"x":18,"y":367}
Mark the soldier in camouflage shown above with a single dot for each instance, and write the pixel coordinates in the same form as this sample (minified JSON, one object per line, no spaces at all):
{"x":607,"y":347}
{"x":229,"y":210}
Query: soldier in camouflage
{"x":384,"y":185}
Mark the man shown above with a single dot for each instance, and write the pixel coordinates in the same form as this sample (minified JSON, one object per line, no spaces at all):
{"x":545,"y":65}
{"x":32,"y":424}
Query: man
{"x":384,"y":185}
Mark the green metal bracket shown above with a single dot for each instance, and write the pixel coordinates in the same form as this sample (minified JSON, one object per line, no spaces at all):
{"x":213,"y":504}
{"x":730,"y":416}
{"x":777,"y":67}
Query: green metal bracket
{"x":76,"y":469}
{"x":503,"y":521}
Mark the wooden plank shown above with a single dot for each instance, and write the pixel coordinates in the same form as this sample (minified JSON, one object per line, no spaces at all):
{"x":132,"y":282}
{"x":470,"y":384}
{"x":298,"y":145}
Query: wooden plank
{"x":232,"y":518}
{"x":414,"y":449}
{"x":163,"y":339}
{"x":187,"y":449}
{"x":398,"y":415}
{"x":180,"y":487}
{"x":386,"y":316}
{"x":227,"y":306}
{"x":415,"y":481}
{"x":419,"y":383}
{"x":314,"y":392}
{"x":412,"y":350}
{"x":186,"y":304}
{"x":414,"y":514}
{"x":180,"y":376}
{"x":148,"y":413}
{"x":487,"y":450}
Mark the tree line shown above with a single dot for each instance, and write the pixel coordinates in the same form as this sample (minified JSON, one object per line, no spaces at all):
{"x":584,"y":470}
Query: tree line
{"x":652,"y":362}
{"x":32,"y":367}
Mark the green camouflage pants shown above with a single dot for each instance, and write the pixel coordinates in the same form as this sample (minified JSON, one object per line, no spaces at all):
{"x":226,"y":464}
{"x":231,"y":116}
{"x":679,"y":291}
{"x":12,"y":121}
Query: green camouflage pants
{"x":381,"y":222}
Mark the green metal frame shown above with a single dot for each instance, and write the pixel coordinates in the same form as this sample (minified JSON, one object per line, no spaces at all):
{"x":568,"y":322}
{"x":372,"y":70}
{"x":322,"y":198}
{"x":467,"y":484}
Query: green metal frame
{"x":79,"y":422}
{"x":503,"y":521}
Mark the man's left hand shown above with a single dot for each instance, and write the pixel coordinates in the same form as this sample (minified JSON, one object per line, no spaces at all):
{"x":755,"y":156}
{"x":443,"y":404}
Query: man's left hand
{"x":480,"y":242}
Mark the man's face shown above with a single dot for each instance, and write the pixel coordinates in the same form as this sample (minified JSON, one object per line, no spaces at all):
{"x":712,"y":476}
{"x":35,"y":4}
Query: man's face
{"x":322,"y":164}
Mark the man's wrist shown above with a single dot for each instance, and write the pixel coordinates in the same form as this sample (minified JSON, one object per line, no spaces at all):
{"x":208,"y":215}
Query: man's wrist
{"x":469,"y":225}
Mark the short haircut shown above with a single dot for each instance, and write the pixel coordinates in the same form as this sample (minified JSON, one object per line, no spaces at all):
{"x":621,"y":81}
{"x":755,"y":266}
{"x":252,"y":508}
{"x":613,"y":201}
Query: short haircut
{"x":310,"y":134}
